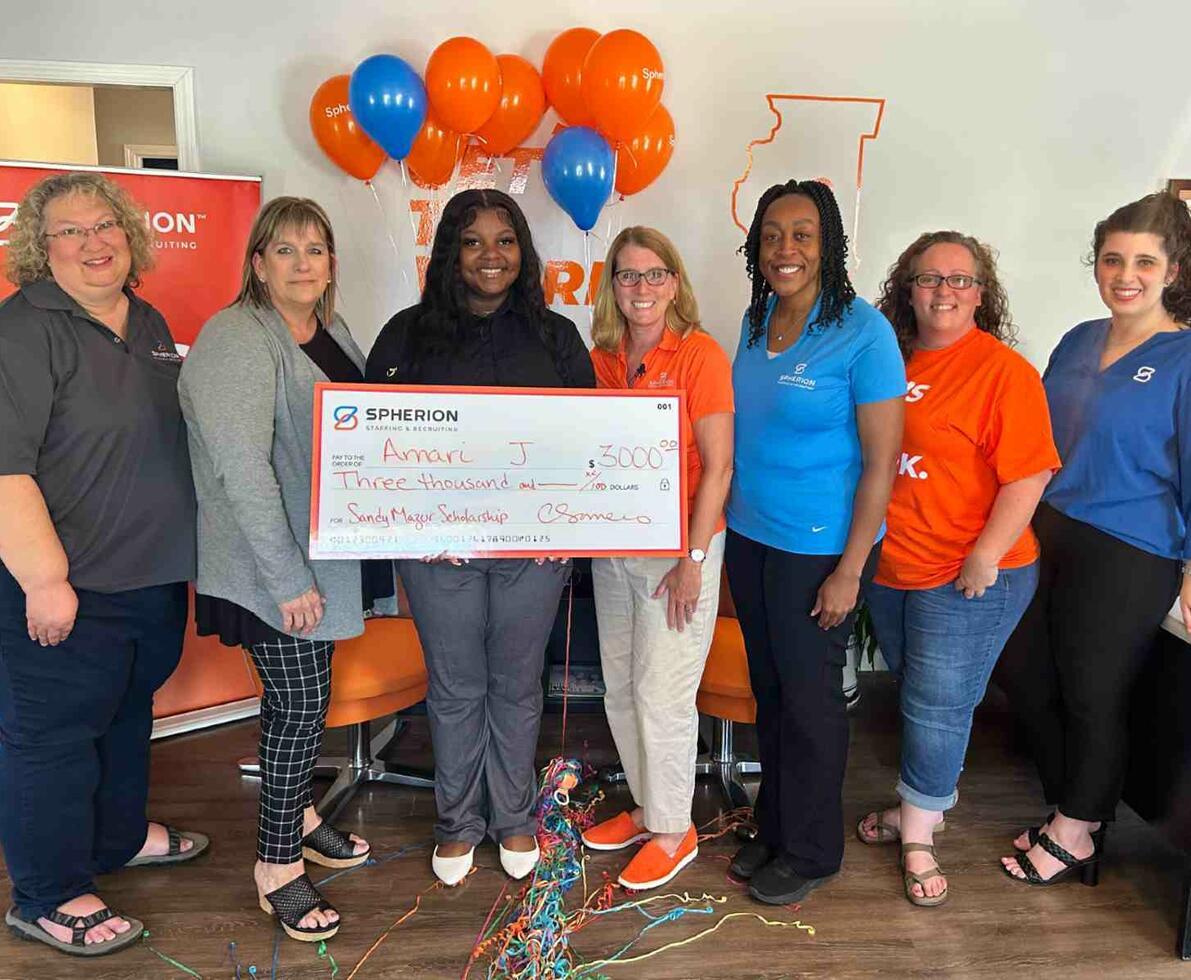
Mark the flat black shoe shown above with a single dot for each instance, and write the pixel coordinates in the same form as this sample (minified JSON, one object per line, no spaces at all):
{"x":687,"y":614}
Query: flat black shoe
{"x":332,"y":848}
{"x":777,"y":883}
{"x":749,"y":859}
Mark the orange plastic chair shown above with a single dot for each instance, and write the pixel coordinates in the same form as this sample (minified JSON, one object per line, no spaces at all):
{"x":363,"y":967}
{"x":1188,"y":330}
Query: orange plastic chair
{"x":372,"y":675}
{"x":726,"y":697}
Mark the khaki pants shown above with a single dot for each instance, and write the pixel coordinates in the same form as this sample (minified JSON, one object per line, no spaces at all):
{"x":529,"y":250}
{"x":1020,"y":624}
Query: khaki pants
{"x":651,"y":675}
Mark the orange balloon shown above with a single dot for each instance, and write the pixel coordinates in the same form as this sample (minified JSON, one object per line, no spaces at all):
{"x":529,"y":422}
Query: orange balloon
{"x":622,"y":83}
{"x":435,"y":150}
{"x":562,"y":73}
{"x":463,"y":83}
{"x":639,"y":160}
{"x":337,"y":133}
{"x":522,"y":102}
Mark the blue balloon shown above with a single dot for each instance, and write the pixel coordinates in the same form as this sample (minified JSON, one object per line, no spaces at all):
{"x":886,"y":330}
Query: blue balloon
{"x":388,"y":100}
{"x":577,"y":168}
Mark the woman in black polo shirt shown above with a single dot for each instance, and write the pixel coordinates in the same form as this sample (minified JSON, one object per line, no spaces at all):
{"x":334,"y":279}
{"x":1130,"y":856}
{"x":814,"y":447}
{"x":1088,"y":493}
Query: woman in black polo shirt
{"x":483,"y":624}
{"x":96,"y":545}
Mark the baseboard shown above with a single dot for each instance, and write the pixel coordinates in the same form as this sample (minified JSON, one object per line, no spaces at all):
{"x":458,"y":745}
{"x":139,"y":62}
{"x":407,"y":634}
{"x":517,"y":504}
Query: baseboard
{"x":219,"y":714}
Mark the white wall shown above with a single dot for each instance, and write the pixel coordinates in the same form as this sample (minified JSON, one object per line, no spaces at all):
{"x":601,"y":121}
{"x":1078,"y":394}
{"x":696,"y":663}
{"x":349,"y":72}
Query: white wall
{"x":47,"y":122}
{"x":1021,"y":123}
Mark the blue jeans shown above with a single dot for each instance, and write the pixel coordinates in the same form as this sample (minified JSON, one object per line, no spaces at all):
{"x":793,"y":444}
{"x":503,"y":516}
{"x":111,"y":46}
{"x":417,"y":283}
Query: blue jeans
{"x":943,"y":648}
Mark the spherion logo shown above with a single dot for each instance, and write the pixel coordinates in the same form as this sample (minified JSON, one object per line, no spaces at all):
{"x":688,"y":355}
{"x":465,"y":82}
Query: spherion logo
{"x":8,"y":213}
{"x":1144,"y":373}
{"x":346,"y":417}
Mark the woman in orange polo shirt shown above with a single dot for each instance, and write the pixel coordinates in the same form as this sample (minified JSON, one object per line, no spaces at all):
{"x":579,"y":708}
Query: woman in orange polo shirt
{"x":657,"y":616}
{"x":960,"y":563}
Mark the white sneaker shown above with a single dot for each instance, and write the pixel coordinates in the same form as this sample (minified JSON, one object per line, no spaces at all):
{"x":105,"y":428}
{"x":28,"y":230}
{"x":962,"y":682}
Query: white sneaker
{"x":451,"y":870}
{"x":518,"y":864}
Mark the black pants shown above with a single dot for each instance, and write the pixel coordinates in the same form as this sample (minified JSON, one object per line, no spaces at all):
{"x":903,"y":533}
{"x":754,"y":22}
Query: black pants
{"x":796,"y":672}
{"x":296,"y":678}
{"x":1070,"y":665}
{"x":75,"y":722}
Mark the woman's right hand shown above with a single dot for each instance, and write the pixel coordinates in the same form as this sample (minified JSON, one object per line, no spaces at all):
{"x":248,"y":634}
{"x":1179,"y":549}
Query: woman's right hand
{"x":437,"y":559}
{"x":50,"y":611}
{"x":303,"y":614}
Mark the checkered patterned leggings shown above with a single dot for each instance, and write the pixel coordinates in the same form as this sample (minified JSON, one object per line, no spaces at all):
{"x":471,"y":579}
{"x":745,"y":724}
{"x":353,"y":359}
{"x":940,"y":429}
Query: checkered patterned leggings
{"x":296,"y":675}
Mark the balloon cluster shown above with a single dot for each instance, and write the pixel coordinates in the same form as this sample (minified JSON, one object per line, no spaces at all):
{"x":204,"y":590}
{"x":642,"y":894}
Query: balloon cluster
{"x":607,"y":89}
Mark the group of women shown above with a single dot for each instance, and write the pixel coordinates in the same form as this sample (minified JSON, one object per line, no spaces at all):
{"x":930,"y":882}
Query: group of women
{"x":895,"y":454}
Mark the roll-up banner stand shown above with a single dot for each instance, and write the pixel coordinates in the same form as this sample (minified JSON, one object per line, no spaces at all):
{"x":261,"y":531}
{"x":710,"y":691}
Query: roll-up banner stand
{"x":200,"y":224}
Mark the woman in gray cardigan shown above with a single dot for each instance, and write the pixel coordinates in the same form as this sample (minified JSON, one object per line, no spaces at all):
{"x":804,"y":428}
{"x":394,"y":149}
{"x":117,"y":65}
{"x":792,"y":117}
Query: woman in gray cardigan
{"x":247,"y":390}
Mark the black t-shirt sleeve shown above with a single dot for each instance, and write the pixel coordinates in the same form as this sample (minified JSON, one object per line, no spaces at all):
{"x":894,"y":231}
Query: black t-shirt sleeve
{"x":573,"y":353}
{"x":388,"y":362}
{"x":26,"y":394}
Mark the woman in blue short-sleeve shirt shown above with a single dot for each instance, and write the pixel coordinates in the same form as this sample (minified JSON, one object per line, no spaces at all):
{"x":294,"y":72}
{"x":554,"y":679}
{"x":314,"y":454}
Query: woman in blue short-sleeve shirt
{"x":819,"y":385}
{"x":1115,"y":530}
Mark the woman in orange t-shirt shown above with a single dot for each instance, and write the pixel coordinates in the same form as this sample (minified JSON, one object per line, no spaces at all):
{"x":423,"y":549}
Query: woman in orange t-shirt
{"x":960,"y":562}
{"x":657,"y":615}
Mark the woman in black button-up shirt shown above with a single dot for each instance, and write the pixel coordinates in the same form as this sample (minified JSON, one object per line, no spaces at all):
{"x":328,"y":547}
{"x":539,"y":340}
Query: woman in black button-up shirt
{"x":96,"y":546}
{"x":483,"y":623}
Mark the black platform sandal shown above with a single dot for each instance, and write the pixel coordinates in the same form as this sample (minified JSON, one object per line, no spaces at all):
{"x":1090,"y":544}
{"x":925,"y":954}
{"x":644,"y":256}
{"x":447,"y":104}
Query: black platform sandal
{"x":1088,"y":868}
{"x":332,"y":848}
{"x":292,"y":902}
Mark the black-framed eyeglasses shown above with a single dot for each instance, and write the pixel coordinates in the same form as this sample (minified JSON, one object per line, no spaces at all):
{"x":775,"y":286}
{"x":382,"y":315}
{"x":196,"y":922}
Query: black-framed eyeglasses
{"x":76,"y":234}
{"x":655,"y":277}
{"x":932,"y":280}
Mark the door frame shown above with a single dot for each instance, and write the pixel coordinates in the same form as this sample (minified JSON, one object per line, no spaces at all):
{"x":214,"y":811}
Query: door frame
{"x":177,"y":78}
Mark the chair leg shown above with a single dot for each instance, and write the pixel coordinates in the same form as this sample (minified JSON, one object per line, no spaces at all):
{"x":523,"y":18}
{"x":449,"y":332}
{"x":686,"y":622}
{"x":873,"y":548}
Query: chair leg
{"x":1184,"y":936}
{"x":723,"y":763}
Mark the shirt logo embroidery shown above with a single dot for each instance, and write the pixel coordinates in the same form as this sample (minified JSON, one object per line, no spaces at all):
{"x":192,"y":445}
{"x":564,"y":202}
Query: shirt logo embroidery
{"x":907,"y":467}
{"x":797,"y":379}
{"x":915,"y":392}
{"x":165,"y":355}
{"x":661,"y":381}
{"x":1144,"y":373}
{"x":816,"y":528}
{"x":392,"y":371}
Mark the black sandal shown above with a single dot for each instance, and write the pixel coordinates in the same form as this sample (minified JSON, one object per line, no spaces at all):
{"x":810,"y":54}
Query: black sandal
{"x":175,"y":855}
{"x":292,"y":902}
{"x":78,"y":926}
{"x":332,"y":848}
{"x":1033,"y":832}
{"x":1088,"y":868}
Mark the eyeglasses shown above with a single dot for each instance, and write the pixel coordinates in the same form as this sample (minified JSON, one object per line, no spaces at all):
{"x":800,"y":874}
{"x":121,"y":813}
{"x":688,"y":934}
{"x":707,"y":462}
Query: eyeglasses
{"x":76,"y":235}
{"x":932,"y":280}
{"x":630,"y":277}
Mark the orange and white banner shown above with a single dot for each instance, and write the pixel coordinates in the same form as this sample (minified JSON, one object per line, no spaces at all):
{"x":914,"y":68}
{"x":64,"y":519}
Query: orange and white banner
{"x":201,"y":223}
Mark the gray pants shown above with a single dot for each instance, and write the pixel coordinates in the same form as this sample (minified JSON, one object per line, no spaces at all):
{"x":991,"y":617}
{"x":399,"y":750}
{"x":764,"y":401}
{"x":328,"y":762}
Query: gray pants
{"x":483,"y":628}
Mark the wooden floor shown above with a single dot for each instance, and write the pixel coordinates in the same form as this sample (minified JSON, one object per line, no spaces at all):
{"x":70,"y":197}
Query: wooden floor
{"x":991,"y":927}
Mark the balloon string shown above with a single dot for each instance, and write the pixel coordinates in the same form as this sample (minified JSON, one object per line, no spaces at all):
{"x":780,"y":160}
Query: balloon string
{"x":389,"y":230}
{"x":590,"y":324}
{"x":856,"y":232}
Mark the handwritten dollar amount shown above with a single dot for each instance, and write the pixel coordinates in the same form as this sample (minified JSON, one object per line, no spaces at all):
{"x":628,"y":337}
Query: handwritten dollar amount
{"x":634,"y":457}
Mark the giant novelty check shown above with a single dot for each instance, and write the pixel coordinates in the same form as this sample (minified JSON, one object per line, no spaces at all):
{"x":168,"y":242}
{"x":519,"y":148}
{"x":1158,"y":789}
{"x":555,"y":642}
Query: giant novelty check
{"x":404,"y":472}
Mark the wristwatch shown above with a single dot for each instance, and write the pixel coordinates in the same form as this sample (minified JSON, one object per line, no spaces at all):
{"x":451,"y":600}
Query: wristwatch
{"x":697,"y":555}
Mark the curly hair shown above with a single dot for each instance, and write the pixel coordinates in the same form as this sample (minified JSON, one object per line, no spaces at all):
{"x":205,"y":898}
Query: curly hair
{"x":835,"y":287}
{"x":608,"y":323}
{"x":992,"y":315}
{"x":278,"y":215}
{"x":444,"y":320}
{"x":1169,"y":218}
{"x":29,"y":262}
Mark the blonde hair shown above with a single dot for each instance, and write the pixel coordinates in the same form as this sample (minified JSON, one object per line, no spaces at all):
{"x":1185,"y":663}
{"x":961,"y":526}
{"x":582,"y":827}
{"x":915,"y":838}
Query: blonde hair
{"x":279,"y":213}
{"x":608,"y":323}
{"x":28,"y":260}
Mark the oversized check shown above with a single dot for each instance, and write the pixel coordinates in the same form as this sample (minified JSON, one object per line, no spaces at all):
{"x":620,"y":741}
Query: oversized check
{"x":405,"y":471}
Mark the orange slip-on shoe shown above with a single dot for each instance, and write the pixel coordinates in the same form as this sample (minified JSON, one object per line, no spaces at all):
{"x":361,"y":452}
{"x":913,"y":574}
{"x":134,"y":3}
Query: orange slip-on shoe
{"x":652,"y":866}
{"x":615,"y":833}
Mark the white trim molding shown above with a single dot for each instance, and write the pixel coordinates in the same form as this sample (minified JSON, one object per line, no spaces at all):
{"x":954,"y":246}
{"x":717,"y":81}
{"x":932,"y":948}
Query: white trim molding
{"x":180,"y":79}
{"x":218,"y":714}
{"x":135,"y":153}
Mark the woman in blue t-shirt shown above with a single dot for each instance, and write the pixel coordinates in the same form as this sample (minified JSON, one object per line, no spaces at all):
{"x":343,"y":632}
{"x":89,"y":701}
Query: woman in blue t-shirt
{"x":1115,"y":530}
{"x":819,"y":385}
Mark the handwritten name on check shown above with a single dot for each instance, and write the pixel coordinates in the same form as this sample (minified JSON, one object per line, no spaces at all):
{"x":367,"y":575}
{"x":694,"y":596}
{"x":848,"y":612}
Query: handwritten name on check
{"x":405,"y":472}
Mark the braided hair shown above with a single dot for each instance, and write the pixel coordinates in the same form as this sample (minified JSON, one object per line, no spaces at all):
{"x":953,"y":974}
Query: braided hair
{"x":1169,"y":218}
{"x":835,"y":288}
{"x":445,"y":322}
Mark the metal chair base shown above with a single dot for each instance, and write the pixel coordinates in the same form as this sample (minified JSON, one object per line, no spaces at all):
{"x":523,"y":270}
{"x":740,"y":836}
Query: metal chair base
{"x":361,"y":765}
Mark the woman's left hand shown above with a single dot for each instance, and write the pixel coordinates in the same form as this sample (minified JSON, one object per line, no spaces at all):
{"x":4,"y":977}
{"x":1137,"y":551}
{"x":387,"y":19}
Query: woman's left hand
{"x":681,"y":585}
{"x":1185,"y":602}
{"x":551,"y":558}
{"x":976,"y":575}
{"x":837,"y":597}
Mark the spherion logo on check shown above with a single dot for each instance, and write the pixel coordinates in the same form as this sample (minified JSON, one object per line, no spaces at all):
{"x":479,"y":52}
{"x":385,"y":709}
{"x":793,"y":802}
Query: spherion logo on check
{"x":346,"y":417}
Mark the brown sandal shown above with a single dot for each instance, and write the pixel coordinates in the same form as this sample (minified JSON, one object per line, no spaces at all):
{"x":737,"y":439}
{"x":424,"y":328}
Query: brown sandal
{"x":909,"y":878}
{"x":886,"y":833}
